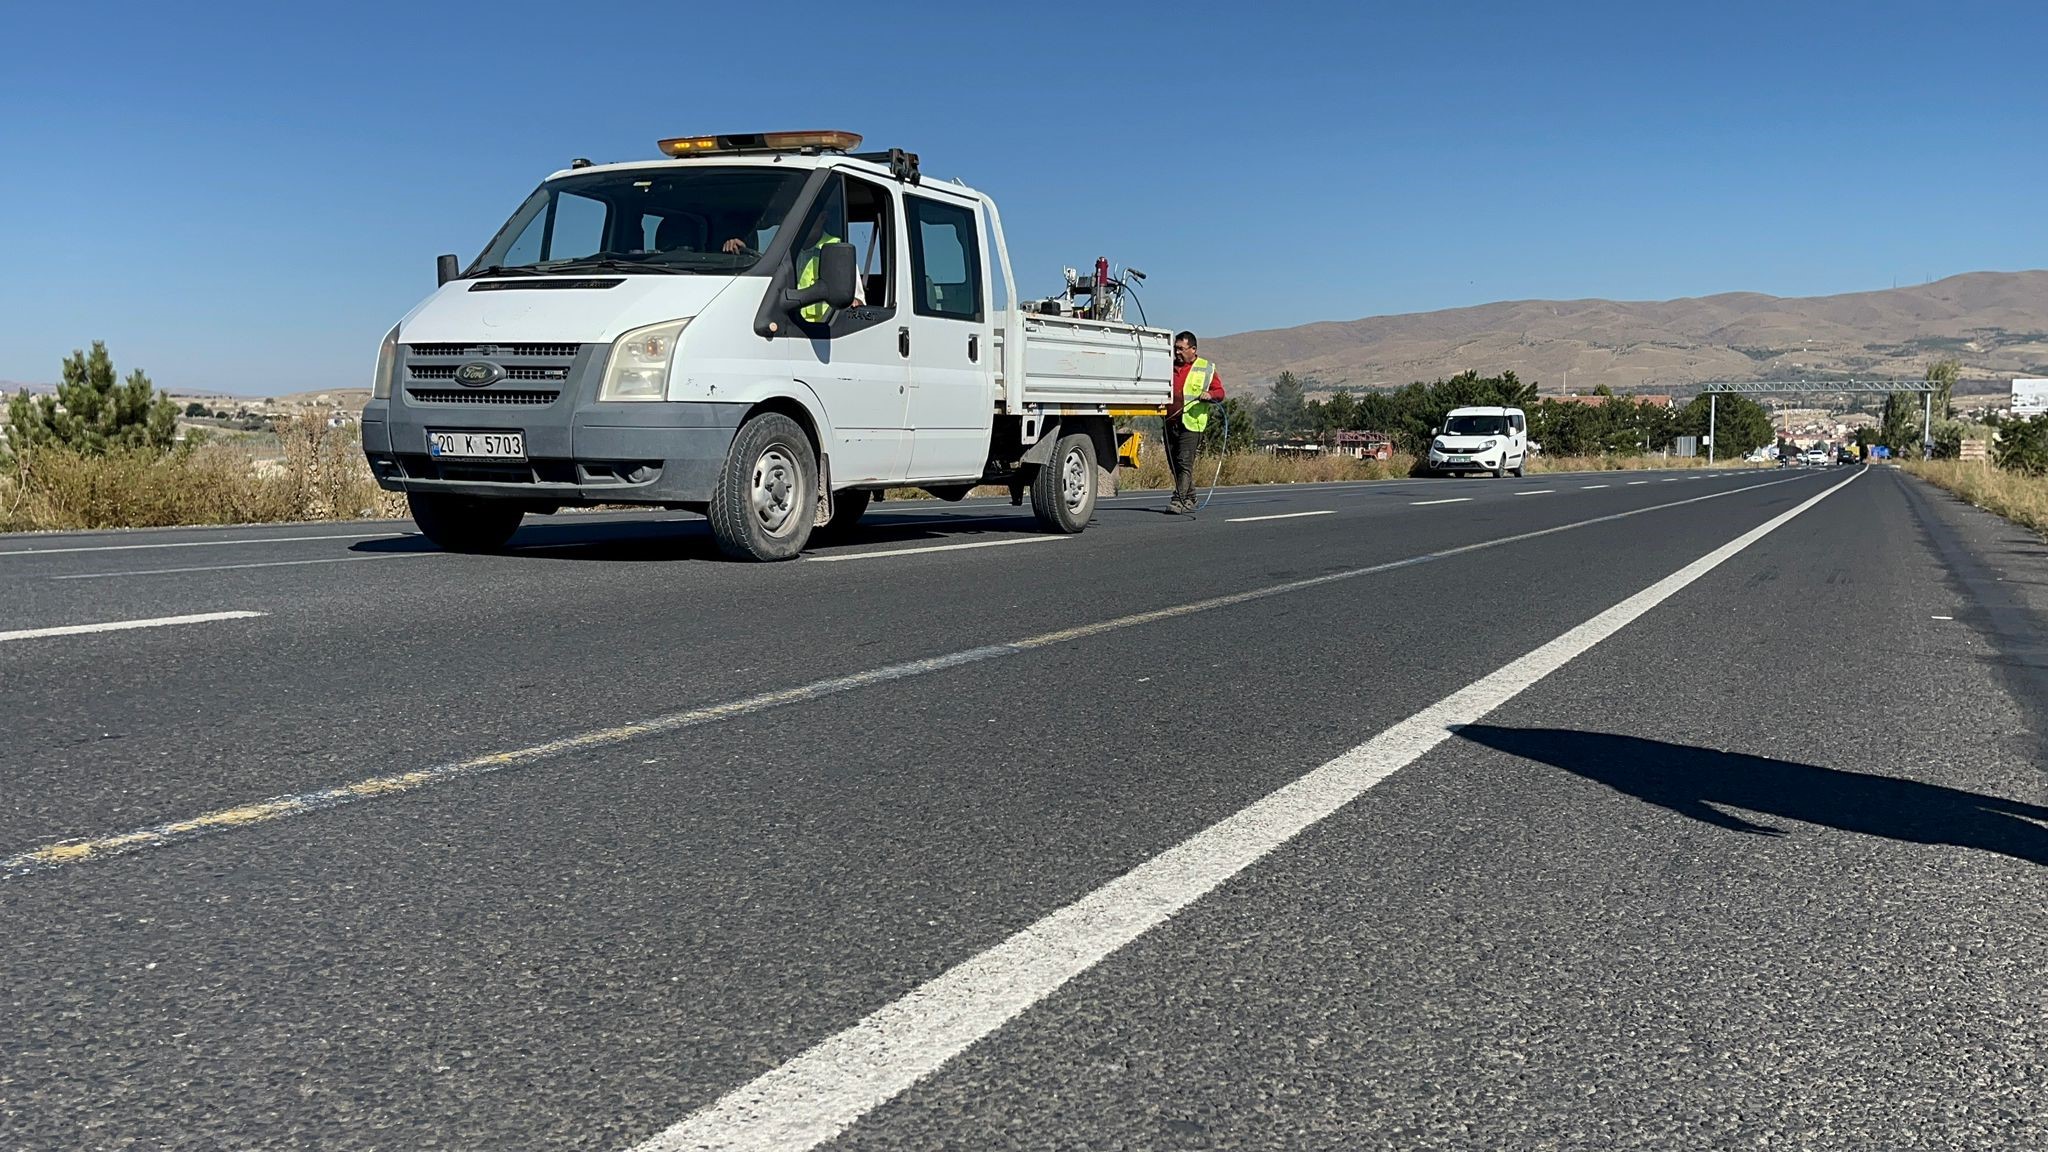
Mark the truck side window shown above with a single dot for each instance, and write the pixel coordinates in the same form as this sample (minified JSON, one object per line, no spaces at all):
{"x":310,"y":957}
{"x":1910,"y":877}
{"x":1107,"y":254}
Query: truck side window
{"x":871,"y":229}
{"x":945,"y":260}
{"x":575,"y":228}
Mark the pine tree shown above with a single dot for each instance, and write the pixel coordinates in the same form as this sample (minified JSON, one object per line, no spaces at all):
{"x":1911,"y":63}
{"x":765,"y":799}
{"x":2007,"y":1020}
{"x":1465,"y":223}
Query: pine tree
{"x":93,"y":412}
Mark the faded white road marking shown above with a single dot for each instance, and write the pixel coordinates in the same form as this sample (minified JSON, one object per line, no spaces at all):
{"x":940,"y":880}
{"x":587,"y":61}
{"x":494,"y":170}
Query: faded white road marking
{"x":1281,"y":516}
{"x":256,"y":564}
{"x":1450,"y":500}
{"x":933,"y":548}
{"x":199,"y":543}
{"x":126,"y":625}
{"x":1537,"y":492}
{"x":1592,"y":485}
{"x":815,"y":1096}
{"x":80,"y":850}
{"x":1633,"y":483}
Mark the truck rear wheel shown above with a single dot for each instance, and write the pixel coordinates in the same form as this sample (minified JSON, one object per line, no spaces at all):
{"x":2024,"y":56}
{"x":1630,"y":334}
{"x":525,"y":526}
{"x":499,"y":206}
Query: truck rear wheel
{"x":1063,"y":491}
{"x":767,"y":493}
{"x":462,"y":524}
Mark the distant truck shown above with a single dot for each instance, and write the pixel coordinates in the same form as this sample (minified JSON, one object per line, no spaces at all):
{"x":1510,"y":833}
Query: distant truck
{"x":2029,"y":396}
{"x":765,"y":329}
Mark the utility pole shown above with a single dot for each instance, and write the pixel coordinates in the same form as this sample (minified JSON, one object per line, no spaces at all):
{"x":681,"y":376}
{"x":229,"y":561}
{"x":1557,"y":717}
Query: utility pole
{"x":1927,"y":424}
{"x":1713,"y":406}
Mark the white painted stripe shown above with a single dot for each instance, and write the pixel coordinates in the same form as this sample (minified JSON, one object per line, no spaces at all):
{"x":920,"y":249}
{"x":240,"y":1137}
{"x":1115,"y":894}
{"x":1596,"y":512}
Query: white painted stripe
{"x":1537,"y":492}
{"x":233,"y":567}
{"x":1592,"y":485}
{"x":1633,"y":483}
{"x":1673,"y":479}
{"x":933,"y":548}
{"x":200,"y":543}
{"x":126,"y":625}
{"x":1281,"y":516}
{"x":815,"y":1096}
{"x":1451,"y":500}
{"x":80,"y":850}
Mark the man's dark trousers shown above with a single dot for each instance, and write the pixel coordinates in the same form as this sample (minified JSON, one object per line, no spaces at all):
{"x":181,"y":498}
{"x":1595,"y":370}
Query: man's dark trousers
{"x":1182,"y":446}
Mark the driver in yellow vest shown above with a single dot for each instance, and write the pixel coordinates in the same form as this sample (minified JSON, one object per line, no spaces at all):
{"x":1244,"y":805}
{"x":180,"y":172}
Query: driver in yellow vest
{"x":1196,"y":386}
{"x":807,"y":266}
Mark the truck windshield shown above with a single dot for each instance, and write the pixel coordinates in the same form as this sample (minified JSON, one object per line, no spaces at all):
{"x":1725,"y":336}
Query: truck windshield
{"x":1476,"y":426}
{"x":680,"y":219}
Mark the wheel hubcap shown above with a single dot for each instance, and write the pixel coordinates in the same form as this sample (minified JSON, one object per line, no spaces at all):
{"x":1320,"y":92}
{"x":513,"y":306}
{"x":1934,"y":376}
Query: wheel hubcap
{"x":1074,"y":479}
{"x":775,"y":490}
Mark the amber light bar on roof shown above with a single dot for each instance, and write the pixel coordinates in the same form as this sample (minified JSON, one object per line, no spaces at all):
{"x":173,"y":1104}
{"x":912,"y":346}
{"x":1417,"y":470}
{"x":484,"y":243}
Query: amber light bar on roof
{"x":681,"y":146}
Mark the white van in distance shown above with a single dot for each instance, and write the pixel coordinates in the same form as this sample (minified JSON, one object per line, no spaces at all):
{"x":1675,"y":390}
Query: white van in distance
{"x":1489,"y":439}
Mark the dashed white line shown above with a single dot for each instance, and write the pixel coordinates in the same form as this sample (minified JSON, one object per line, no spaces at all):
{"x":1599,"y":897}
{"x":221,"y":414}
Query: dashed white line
{"x":1633,"y":483}
{"x":1452,"y":500}
{"x":253,"y":564}
{"x":1537,"y":492}
{"x":126,"y":625}
{"x":198,"y":543}
{"x":1281,"y":516}
{"x":815,"y":1096}
{"x":932,"y":548}
{"x":1673,"y":479}
{"x":1592,"y":485}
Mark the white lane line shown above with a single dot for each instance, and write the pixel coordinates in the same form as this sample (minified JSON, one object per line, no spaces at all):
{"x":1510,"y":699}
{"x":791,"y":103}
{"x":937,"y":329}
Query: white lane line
{"x":233,"y":567}
{"x":1592,"y":485}
{"x":1537,"y":492}
{"x":1633,"y":483}
{"x":1673,"y":479}
{"x":1281,"y":516}
{"x":932,"y":548}
{"x":198,"y":543}
{"x":126,"y":625}
{"x":816,"y":1095}
{"x":1451,"y":500}
{"x":82,"y":849}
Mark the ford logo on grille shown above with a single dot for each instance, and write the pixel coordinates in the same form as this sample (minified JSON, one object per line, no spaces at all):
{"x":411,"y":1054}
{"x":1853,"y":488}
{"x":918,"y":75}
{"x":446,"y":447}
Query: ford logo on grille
{"x":479,"y":374}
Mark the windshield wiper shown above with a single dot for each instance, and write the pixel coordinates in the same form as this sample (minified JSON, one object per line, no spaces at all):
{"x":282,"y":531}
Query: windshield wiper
{"x":615,"y":264}
{"x":502,"y":270}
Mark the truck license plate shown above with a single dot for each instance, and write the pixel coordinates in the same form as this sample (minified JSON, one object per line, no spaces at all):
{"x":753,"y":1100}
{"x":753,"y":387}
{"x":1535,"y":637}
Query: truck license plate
{"x":478,"y":445}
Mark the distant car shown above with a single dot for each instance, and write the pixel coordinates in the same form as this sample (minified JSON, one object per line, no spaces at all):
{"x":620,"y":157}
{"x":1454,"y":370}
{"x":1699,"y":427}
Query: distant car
{"x":1814,"y":456}
{"x":1490,"y":439}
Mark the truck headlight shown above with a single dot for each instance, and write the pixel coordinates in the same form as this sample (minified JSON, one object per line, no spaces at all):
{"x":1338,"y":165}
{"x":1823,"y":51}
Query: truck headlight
{"x":387,"y":365}
{"x":1491,"y":445}
{"x":1436,"y":445}
{"x":639,"y":362}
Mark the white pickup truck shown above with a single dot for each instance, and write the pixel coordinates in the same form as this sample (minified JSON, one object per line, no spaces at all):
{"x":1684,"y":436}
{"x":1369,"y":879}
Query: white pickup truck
{"x":764,"y":329}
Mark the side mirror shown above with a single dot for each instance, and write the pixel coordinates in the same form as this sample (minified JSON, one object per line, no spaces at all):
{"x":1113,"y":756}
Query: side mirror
{"x":446,"y":267}
{"x":837,"y":269}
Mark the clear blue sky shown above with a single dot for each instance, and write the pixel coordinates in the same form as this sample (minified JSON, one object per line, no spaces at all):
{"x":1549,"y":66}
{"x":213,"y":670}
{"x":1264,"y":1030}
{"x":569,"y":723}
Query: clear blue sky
{"x":247,"y":196}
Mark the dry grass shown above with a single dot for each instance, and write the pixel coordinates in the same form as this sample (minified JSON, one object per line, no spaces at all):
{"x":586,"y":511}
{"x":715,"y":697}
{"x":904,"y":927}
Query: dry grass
{"x":2013,"y":495}
{"x":321,"y":476}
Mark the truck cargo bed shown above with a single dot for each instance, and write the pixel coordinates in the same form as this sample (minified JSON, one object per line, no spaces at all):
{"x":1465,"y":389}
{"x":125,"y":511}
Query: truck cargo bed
{"x":1073,"y":362}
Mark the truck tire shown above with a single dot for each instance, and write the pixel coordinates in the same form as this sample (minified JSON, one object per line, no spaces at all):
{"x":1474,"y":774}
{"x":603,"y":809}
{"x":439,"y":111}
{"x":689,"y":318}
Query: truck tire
{"x":766,"y":494}
{"x":848,"y":506}
{"x":1063,"y":491}
{"x":462,"y":524}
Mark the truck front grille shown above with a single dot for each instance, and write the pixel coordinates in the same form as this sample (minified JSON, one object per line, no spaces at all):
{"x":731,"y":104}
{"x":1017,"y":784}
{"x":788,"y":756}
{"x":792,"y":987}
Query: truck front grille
{"x":502,"y":396}
{"x":447,"y":372}
{"x":489,"y":351}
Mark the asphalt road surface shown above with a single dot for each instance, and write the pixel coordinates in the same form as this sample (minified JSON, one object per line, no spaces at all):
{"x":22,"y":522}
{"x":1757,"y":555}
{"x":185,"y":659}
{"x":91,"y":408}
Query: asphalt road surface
{"x":1620,"y":811}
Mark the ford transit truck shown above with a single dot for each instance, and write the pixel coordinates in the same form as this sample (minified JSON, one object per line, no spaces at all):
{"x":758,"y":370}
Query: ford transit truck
{"x":764,"y":329}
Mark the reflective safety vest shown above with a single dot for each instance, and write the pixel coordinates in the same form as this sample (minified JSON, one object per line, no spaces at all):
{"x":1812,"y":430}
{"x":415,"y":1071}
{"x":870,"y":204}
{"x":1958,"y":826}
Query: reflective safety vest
{"x":1194,"y":414}
{"x":815,"y":313}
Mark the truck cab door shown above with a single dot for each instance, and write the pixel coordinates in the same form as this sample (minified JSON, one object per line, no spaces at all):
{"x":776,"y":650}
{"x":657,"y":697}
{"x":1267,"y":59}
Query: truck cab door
{"x":952,"y":376}
{"x":856,"y":359}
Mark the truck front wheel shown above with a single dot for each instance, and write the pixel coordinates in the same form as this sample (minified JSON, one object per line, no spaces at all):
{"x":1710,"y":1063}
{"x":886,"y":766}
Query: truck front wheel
{"x":1063,"y":491}
{"x":460,"y":524}
{"x":767,"y":493}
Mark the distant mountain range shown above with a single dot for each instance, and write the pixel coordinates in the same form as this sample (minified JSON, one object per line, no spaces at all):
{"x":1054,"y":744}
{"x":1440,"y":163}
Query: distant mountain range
{"x":1995,"y":323}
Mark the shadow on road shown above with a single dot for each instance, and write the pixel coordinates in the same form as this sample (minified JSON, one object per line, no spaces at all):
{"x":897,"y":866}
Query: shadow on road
{"x":1693,"y":781}
{"x":655,"y":541}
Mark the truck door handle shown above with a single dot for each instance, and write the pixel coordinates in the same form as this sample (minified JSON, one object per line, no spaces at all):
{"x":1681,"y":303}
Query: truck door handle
{"x":903,"y":341}
{"x":974,"y":347}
